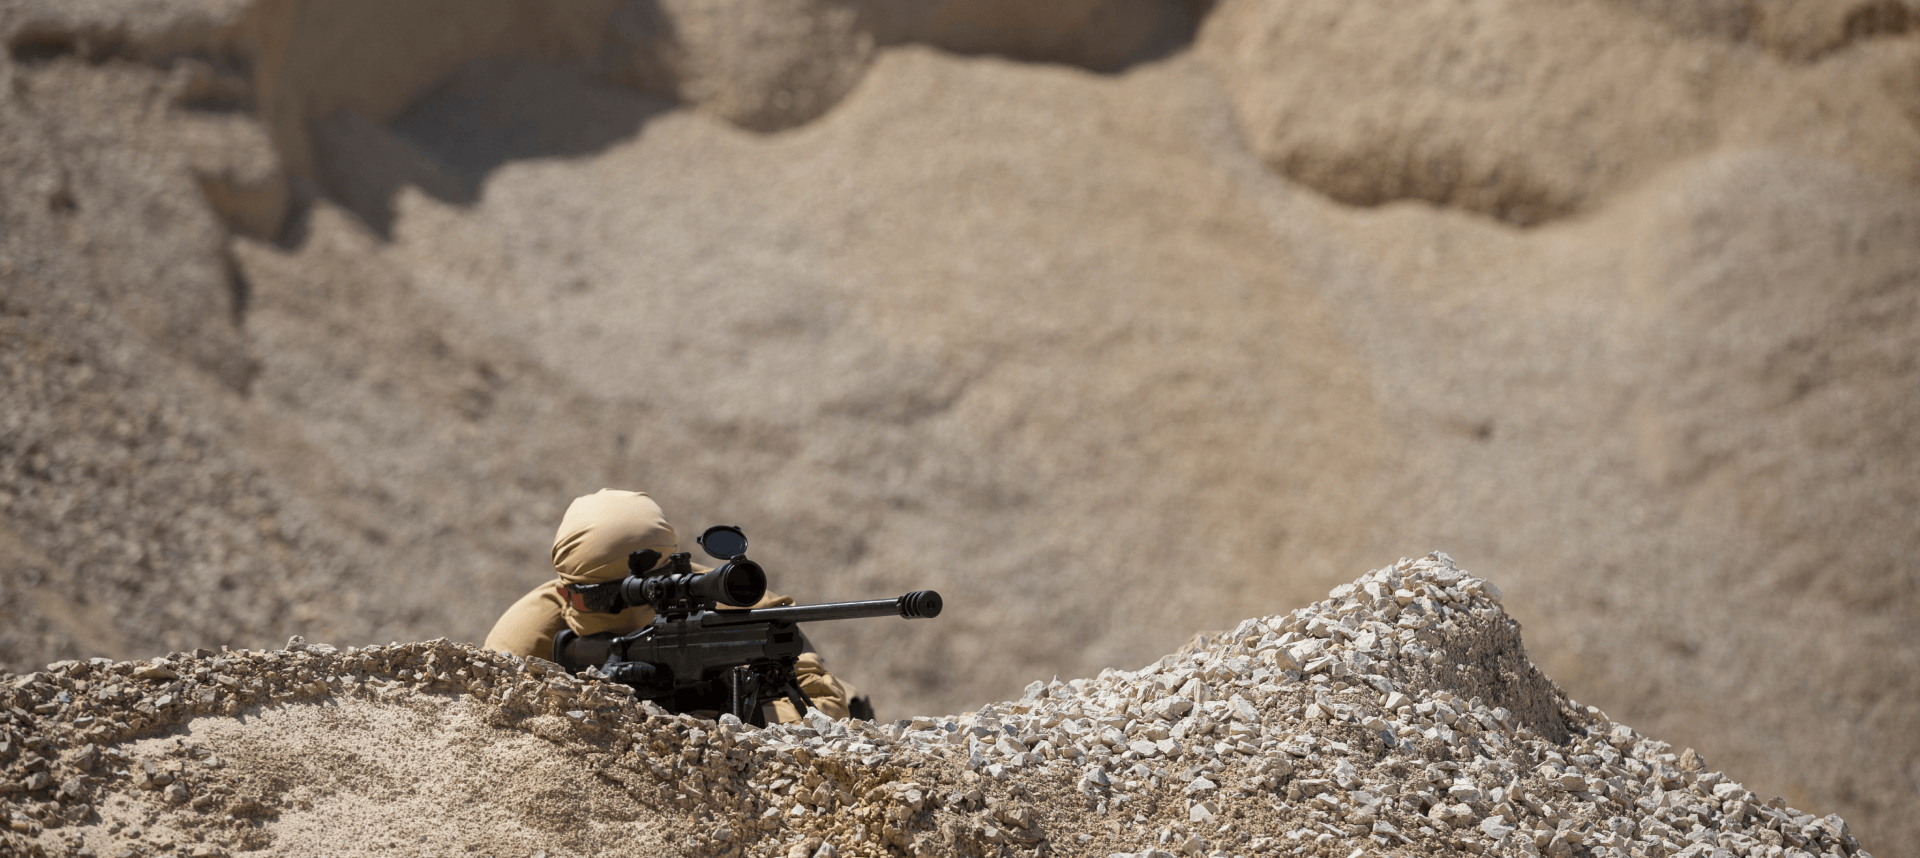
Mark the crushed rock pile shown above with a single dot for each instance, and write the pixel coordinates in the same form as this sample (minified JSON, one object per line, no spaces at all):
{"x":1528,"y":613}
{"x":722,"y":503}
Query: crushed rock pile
{"x":1400,"y":716}
{"x":298,"y":293}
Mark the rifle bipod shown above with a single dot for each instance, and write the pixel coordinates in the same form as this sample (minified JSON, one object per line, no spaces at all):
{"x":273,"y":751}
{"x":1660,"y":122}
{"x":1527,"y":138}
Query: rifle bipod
{"x":747,"y":686}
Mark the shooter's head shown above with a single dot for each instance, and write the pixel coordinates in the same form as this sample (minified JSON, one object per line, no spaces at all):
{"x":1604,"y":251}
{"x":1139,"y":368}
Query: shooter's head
{"x":600,"y":530}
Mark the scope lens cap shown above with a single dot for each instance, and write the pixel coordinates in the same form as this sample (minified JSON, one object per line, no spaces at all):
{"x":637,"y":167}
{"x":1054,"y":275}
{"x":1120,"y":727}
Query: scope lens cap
{"x":724,"y":542}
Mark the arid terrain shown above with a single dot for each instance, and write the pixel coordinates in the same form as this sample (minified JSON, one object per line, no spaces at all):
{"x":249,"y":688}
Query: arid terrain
{"x":1400,"y":716}
{"x":1115,"y":321}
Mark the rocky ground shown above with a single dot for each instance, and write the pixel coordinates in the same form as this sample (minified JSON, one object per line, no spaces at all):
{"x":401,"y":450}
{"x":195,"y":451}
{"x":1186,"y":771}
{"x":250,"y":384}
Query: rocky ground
{"x":1111,"y":320}
{"x":1400,"y":716}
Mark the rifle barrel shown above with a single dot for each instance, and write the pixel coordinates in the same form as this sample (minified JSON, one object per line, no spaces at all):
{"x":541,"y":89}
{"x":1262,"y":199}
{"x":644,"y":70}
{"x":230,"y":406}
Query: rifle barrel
{"x":914,"y":605}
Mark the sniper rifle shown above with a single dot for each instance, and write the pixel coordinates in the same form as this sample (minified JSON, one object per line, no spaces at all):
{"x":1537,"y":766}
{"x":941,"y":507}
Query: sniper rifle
{"x":697,"y":656}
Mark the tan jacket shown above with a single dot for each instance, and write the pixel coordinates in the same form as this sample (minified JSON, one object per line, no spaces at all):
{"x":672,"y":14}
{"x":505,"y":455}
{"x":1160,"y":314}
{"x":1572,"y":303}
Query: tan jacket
{"x":591,"y":546}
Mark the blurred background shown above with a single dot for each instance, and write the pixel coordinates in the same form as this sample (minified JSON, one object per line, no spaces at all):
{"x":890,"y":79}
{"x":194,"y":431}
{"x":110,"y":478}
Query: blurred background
{"x":1113,"y":320}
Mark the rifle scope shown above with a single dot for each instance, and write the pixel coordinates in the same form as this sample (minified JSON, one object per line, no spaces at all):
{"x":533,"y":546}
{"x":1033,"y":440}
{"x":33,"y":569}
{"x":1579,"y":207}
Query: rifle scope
{"x":739,"y":582}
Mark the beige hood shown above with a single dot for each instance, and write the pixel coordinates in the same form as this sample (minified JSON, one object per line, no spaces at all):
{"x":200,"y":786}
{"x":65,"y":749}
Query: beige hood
{"x":601,"y":529}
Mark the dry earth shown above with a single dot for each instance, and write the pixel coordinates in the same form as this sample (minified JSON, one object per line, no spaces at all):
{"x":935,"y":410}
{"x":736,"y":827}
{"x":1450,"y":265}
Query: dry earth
{"x":1111,"y":320}
{"x":1401,"y":716}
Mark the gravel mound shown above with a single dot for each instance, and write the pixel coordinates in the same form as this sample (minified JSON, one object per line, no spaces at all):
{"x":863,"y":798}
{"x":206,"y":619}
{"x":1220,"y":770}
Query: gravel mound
{"x":313,"y":313}
{"x":1457,"y":105}
{"x":1399,"y":716}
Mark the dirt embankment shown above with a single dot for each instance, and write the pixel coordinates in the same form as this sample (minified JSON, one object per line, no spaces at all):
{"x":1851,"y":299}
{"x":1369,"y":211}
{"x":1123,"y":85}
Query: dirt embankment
{"x":1106,"y":320}
{"x":1400,"y":715}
